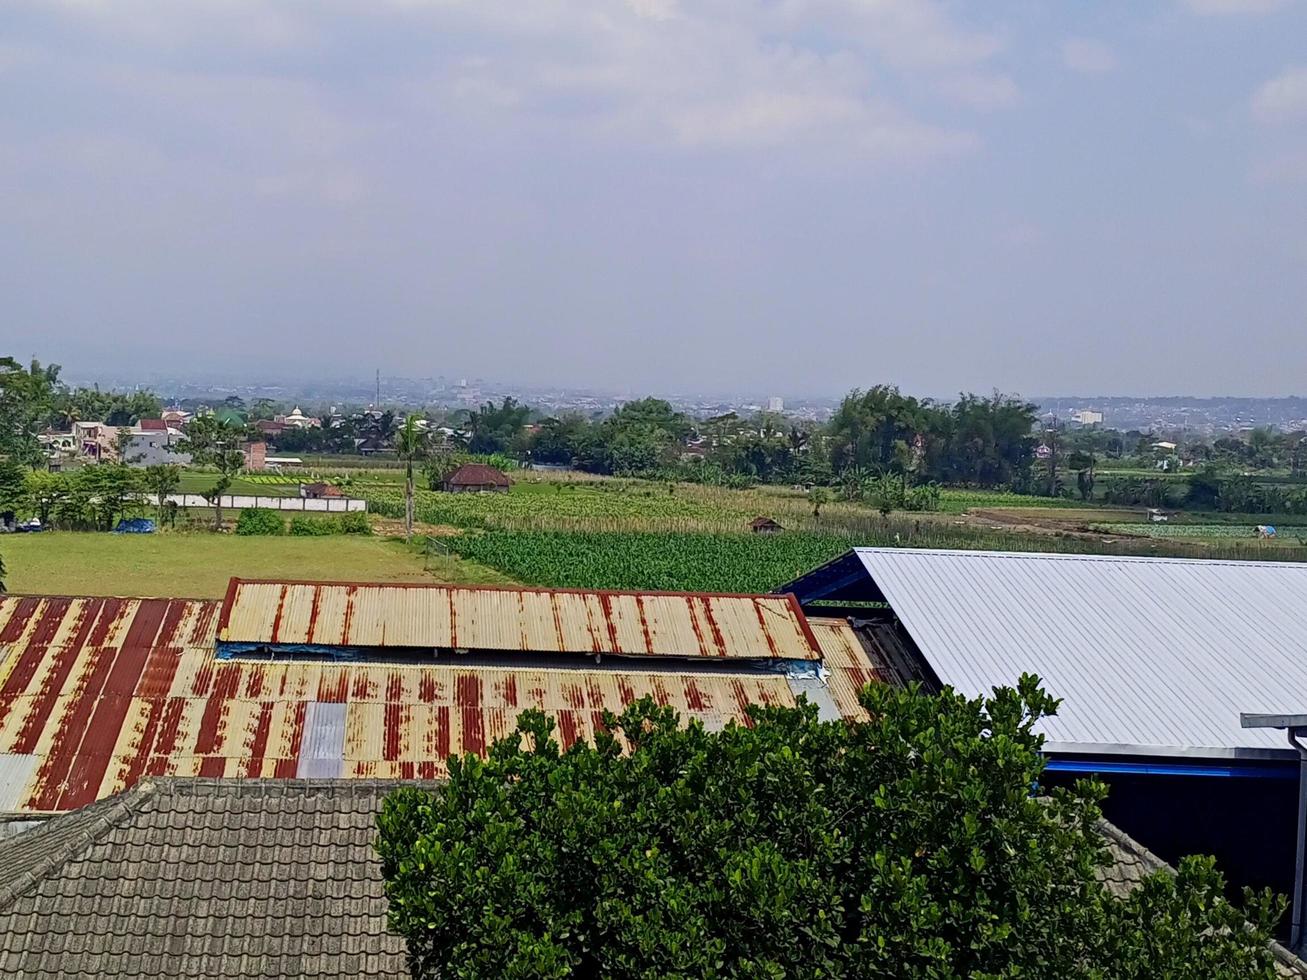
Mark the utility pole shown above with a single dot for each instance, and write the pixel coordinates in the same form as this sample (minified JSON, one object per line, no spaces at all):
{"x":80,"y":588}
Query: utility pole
{"x":1052,"y":458}
{"x":377,"y":403}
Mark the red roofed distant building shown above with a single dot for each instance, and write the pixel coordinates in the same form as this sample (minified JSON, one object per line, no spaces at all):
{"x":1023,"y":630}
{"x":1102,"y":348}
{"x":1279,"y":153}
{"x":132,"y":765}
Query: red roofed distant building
{"x":153,"y":425}
{"x":477,"y":478}
{"x":318,"y":491}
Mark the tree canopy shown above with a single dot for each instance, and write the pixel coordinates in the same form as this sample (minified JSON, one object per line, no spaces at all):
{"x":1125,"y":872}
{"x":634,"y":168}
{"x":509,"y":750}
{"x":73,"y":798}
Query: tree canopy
{"x":907,"y":846}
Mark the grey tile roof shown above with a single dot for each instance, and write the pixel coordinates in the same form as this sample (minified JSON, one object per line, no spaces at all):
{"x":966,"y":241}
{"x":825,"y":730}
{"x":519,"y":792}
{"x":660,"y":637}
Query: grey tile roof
{"x":202,"y":878}
{"x":1130,"y":863}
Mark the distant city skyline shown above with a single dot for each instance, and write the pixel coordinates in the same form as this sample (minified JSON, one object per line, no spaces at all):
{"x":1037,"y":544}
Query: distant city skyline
{"x":652,"y":195}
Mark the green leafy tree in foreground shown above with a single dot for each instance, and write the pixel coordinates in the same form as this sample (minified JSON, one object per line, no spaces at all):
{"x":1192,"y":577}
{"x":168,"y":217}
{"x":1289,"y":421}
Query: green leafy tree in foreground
{"x":907,"y":846}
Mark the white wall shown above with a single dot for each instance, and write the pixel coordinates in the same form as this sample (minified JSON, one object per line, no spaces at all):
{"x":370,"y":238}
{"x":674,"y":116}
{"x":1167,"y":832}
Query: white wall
{"x":240,"y":501}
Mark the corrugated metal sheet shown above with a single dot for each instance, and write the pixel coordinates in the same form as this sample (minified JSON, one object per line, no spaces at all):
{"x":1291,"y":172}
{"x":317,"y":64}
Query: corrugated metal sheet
{"x":15,"y":773}
{"x":322,"y":755}
{"x":498,"y":619}
{"x":100,"y":692}
{"x":1149,"y":654}
{"x":849,"y":667}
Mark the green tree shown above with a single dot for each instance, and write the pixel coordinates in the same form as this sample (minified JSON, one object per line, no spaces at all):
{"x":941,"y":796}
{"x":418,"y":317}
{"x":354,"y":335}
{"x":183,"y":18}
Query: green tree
{"x":13,"y":486}
{"x":907,"y":846}
{"x":113,"y":490}
{"x":44,"y":491}
{"x":26,"y":397}
{"x":438,"y":466}
{"x":818,"y":497}
{"x":215,"y":442}
{"x":410,"y":446}
{"x":1083,"y":463}
{"x":160,"y":481}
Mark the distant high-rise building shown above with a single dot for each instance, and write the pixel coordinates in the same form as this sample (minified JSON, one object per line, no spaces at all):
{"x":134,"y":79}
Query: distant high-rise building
{"x":1087,"y":417}
{"x":775,"y":404}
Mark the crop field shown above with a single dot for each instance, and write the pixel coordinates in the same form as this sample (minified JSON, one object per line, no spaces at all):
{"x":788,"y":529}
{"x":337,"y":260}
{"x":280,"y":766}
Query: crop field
{"x":643,"y":560}
{"x":597,"y":504}
{"x":1204,"y":531}
{"x":961,"y":501}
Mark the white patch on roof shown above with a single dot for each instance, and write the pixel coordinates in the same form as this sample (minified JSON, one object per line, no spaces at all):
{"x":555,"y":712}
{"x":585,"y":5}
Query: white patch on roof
{"x":1149,"y":654}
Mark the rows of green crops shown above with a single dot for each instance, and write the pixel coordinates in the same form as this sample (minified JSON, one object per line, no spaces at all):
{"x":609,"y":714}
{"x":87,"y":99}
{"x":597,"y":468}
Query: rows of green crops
{"x":960,"y":501}
{"x":632,"y":560}
{"x":1197,"y":530}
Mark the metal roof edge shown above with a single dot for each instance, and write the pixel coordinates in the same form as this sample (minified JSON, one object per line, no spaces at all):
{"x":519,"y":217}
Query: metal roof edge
{"x":1078,"y":557}
{"x":1197,"y":753}
{"x":471,"y":587}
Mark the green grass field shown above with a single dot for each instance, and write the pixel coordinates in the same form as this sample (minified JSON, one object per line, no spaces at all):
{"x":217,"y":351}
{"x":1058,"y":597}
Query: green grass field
{"x":199,"y":565}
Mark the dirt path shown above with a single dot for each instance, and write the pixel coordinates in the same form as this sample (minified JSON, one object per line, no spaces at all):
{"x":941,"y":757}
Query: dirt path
{"x":387,"y":527}
{"x":1030,"y":520}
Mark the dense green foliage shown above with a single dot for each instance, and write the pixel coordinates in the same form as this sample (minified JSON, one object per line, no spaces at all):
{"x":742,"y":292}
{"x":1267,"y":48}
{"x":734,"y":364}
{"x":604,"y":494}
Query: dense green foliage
{"x":26,"y":397}
{"x":260,"y":520}
{"x":910,"y":846}
{"x":644,"y":560}
{"x":313,"y":527}
{"x":92,"y":498}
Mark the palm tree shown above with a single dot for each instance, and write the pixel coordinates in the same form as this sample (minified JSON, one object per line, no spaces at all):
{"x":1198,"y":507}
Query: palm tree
{"x":410,"y":445}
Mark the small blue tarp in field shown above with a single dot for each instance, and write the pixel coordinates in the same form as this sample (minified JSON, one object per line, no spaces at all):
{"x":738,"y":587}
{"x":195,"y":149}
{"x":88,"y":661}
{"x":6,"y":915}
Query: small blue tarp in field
{"x":137,"y":525}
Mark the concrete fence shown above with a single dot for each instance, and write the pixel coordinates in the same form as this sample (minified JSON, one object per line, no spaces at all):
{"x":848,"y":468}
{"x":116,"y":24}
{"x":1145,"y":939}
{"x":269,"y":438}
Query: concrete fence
{"x":241,"y":501}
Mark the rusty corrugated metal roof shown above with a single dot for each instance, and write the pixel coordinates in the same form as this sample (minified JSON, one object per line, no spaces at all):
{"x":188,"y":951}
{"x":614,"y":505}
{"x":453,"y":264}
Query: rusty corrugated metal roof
{"x":850,"y":668}
{"x":96,"y":693}
{"x":514,"y":619}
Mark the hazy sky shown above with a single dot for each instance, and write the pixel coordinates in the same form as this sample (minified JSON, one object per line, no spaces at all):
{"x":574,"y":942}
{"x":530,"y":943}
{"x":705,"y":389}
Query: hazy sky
{"x":795,"y":196}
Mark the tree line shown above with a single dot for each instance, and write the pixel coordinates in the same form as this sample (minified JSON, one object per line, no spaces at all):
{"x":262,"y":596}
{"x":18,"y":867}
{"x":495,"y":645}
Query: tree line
{"x":976,"y":441}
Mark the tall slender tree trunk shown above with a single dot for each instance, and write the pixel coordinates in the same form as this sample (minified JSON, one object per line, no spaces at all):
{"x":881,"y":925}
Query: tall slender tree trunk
{"x":408,"y":501}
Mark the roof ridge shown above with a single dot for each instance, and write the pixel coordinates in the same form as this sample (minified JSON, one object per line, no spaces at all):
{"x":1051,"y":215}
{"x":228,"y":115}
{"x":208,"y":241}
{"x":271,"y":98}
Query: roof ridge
{"x":112,"y":813}
{"x":228,"y":785}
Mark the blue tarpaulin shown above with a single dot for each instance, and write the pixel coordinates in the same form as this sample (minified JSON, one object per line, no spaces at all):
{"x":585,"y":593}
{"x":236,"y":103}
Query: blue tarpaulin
{"x":137,"y":525}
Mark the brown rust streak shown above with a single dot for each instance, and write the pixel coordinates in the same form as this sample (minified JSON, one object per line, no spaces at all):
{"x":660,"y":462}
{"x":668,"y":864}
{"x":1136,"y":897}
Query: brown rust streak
{"x":55,"y":678}
{"x":762,"y":625}
{"x":474,"y":731}
{"x":281,"y":608}
{"x":225,"y":685}
{"x":719,"y":641}
{"x":644,"y":624}
{"x":109,"y":710}
{"x":350,"y":592}
{"x":313,"y":615}
{"x":46,"y":625}
{"x":253,"y":762}
{"x":396,"y":717}
{"x":606,"y":604}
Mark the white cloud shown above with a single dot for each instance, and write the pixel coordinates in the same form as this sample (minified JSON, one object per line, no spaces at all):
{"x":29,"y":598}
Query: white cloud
{"x":1283,"y":97}
{"x":713,"y":74}
{"x":1222,"y":7}
{"x":1086,"y":55}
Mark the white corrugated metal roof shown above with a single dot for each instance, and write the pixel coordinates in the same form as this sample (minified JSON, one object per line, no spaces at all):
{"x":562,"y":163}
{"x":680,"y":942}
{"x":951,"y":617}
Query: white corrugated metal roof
{"x":1149,"y":654}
